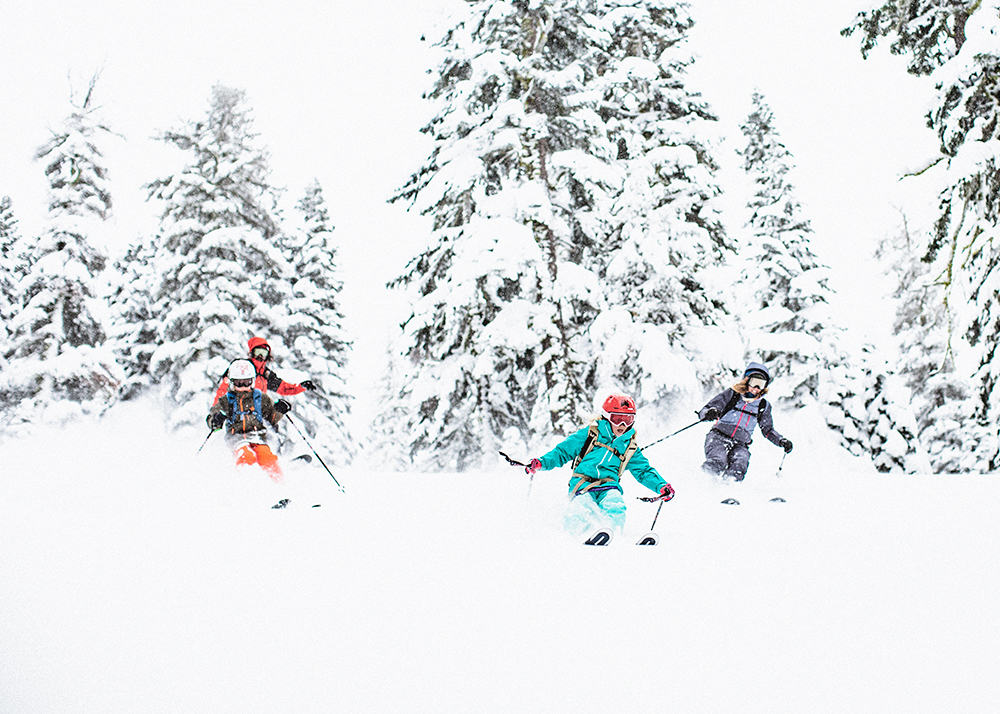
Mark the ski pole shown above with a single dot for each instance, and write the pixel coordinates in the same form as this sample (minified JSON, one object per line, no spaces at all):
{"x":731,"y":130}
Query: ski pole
{"x":650,"y":499}
{"x":674,"y":434}
{"x":658,"y":508}
{"x":314,"y":452}
{"x":513,"y":462}
{"x":777,"y":474}
{"x":205,"y":441}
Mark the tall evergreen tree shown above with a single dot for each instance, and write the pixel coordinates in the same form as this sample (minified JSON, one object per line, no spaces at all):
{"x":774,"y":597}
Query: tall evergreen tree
{"x":133,"y":332}
{"x":660,"y":261}
{"x":57,"y":364}
{"x":922,"y":328}
{"x":545,"y":111}
{"x":9,"y":249}
{"x":314,"y":330}
{"x":219,"y":275}
{"x":786,"y":295}
{"x":788,"y":320}
{"x":954,"y":40}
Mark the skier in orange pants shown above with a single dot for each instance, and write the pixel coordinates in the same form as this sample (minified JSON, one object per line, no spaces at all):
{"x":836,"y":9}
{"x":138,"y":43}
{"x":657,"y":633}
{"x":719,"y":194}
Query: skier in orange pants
{"x":245,"y":412}
{"x":250,"y":454}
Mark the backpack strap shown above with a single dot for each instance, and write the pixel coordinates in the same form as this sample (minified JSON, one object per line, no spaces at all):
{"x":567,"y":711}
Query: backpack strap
{"x":588,"y":483}
{"x":257,"y":400}
{"x":241,"y":413}
{"x":731,"y":404}
{"x":273,"y":380}
{"x":588,"y":445}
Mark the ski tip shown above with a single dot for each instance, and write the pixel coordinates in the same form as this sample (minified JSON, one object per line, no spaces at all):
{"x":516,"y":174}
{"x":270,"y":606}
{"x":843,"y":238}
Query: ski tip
{"x":283,"y":503}
{"x":601,"y":537}
{"x":778,"y":499}
{"x":649,"y":539}
{"x":731,"y":502}
{"x":317,"y":505}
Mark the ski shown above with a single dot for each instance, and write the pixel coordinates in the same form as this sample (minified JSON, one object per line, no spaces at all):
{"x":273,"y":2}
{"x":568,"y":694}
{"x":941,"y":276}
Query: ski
{"x":734,"y":502}
{"x":601,"y":537}
{"x":649,"y":539}
{"x":283,"y":503}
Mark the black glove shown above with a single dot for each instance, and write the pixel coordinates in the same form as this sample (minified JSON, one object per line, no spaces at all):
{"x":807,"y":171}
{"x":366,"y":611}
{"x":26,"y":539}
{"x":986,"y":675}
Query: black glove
{"x":786,"y":445}
{"x":712,"y":414}
{"x":216,"y":420}
{"x":282,"y":407}
{"x":307,"y":384}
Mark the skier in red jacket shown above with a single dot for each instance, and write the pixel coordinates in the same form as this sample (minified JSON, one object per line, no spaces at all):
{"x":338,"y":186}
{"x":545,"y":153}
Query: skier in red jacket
{"x":260,"y":353}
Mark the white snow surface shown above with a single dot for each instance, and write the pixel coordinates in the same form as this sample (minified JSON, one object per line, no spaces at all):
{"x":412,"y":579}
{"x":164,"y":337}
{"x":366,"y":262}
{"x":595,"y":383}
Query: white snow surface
{"x":137,"y":575}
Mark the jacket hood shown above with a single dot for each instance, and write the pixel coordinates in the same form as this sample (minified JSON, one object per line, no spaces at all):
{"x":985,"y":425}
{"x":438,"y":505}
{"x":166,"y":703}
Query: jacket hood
{"x":257,"y":342}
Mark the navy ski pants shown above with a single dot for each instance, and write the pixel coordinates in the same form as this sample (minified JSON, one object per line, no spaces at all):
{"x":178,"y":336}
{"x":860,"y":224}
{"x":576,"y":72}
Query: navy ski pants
{"x":725,"y":456}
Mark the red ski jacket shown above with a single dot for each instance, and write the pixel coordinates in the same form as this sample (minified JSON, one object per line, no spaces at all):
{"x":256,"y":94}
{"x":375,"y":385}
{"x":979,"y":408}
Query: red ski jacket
{"x":266,"y":378}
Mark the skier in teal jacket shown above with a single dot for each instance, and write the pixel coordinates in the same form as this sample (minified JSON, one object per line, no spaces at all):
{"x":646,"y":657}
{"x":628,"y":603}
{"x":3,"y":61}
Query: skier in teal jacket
{"x":601,"y":453}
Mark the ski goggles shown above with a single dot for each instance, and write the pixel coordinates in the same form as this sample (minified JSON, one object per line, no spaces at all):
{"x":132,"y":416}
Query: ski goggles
{"x":621,"y":419}
{"x":757,"y":383}
{"x":242,"y":383}
{"x":261,"y":353}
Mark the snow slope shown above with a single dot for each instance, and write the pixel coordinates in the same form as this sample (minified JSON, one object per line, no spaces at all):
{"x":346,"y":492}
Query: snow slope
{"x":137,"y":576}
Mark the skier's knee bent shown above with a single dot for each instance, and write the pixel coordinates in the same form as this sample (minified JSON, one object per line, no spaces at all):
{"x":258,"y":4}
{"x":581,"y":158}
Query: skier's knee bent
{"x":245,"y":455}
{"x":717,"y":449}
{"x":739,"y":461}
{"x":268,"y":461}
{"x":613,"y":505}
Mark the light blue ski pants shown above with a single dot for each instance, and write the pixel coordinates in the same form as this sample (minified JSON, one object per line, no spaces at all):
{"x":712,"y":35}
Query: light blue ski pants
{"x":604,"y":509}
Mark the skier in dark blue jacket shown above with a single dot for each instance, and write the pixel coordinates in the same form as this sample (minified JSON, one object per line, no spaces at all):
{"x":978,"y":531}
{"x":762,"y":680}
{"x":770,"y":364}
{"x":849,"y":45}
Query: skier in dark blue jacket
{"x":737,"y":412}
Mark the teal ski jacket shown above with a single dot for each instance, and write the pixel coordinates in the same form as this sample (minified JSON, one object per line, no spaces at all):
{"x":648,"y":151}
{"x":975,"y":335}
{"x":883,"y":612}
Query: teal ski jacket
{"x":598,"y":471}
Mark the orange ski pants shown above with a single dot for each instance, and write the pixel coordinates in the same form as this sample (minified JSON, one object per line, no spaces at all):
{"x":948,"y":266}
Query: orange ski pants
{"x":260,"y":454}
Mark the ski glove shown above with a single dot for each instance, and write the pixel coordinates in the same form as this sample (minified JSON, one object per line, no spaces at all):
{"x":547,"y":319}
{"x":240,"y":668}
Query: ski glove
{"x":307,"y":384}
{"x":215,"y":421}
{"x":666,"y":492}
{"x":282,"y":407}
{"x":712,"y":414}
{"x":786,"y":445}
{"x":532,"y":467}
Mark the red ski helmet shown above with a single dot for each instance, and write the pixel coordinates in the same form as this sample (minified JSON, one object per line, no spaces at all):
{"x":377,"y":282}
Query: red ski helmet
{"x":618,"y":404}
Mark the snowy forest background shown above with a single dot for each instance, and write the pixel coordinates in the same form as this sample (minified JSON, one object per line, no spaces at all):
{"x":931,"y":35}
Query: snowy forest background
{"x":590,"y":223}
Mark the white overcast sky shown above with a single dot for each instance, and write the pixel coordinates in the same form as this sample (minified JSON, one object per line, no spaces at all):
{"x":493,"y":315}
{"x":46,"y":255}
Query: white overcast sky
{"x":335,"y":88}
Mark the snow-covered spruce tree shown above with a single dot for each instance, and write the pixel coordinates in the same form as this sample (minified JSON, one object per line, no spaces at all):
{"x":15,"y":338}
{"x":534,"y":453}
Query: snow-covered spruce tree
{"x":869,"y":405}
{"x":659,"y":266}
{"x":133,"y":332}
{"x":783,"y":287}
{"x":11,"y":270}
{"x":786,"y":298}
{"x":954,"y":42}
{"x":922,"y":328}
{"x":219,"y":275}
{"x":9,"y":249}
{"x":58,"y":366}
{"x":313,"y":330}
{"x":563,"y":139}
